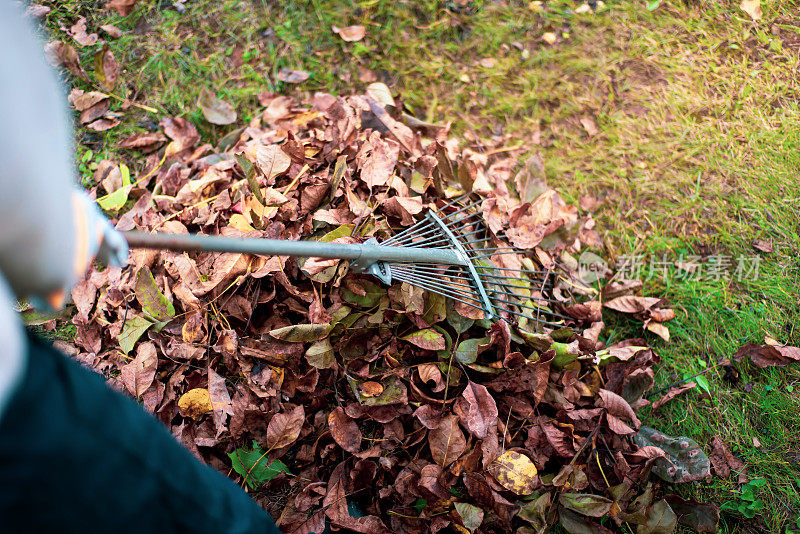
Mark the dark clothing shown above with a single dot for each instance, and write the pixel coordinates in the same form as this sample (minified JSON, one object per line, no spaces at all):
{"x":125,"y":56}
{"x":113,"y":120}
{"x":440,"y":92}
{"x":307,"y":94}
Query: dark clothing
{"x":76,"y":456}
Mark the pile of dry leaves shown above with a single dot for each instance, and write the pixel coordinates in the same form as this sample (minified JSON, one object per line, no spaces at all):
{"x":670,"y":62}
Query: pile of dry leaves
{"x":372,"y":408}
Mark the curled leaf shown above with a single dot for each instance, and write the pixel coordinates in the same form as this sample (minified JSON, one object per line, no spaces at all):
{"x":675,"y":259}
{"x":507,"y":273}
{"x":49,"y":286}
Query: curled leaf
{"x":350,"y":33}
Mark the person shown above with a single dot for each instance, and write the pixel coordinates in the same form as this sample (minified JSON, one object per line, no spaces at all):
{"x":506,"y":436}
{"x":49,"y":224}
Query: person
{"x":75,"y":456}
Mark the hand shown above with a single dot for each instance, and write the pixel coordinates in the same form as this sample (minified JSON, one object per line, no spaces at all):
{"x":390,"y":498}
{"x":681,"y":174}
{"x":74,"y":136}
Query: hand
{"x":97,"y":239}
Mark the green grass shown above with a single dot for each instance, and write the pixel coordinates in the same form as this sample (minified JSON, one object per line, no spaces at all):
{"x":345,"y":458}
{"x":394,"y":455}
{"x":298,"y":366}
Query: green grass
{"x":697,"y":152}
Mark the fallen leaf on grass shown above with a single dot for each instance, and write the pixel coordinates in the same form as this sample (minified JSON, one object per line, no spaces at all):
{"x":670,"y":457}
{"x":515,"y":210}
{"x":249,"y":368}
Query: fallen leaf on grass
{"x":106,"y":68}
{"x":725,"y":462}
{"x":764,"y":356}
{"x":122,"y":7}
{"x":549,"y":38}
{"x":60,"y":54}
{"x":112,"y":31}
{"x":143,"y":141}
{"x":752,"y":8}
{"x":78,"y":32}
{"x":672,"y":393}
{"x":350,"y":33}
{"x":632,"y":304}
{"x":657,"y":328}
{"x":292,"y":76}
{"x":37,"y":10}
{"x":590,"y":126}
{"x":215,"y":111}
{"x":763,"y":246}
{"x":684,"y":460}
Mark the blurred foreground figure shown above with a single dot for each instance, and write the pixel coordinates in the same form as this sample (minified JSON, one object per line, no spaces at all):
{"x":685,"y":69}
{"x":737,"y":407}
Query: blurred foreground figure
{"x":75,"y":456}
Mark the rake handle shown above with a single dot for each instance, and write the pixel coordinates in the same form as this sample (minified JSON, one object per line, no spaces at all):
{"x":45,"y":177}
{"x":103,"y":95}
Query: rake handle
{"x":363,"y":252}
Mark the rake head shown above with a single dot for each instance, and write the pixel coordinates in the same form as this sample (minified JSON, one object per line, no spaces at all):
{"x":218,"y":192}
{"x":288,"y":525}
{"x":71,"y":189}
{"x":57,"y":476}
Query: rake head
{"x":491,"y":276}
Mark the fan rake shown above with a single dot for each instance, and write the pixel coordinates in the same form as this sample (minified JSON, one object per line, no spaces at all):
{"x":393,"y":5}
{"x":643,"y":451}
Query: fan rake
{"x":450,"y":251}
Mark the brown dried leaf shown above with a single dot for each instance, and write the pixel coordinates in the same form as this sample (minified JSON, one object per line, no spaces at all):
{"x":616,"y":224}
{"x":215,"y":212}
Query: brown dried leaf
{"x":78,"y":32}
{"x":480,"y":412}
{"x":112,"y":31}
{"x":60,"y":54}
{"x":590,"y":126}
{"x":350,"y":33}
{"x":284,"y":428}
{"x":768,"y":355}
{"x":122,"y":7}
{"x":215,"y":111}
{"x":270,"y":160}
{"x":672,"y":393}
{"x":138,"y":375}
{"x":220,"y":401}
{"x":292,"y":76}
{"x":632,"y":304}
{"x":344,"y":430}
{"x":724,"y":461}
{"x":144,"y":141}
{"x":181,"y":131}
{"x":617,"y":406}
{"x":447,"y":442}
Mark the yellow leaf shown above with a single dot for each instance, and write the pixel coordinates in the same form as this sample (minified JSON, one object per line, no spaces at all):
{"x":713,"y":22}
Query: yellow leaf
{"x":658,"y":329}
{"x":239,"y":222}
{"x":305,"y":117}
{"x":515,"y":472}
{"x":752,"y":8}
{"x":549,"y":37}
{"x":195,"y":403}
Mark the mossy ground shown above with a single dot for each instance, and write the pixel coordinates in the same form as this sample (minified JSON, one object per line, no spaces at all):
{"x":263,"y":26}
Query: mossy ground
{"x":697,"y":152}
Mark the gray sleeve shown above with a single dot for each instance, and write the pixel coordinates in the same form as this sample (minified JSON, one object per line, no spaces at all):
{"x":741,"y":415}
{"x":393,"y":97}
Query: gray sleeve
{"x":37,"y":227}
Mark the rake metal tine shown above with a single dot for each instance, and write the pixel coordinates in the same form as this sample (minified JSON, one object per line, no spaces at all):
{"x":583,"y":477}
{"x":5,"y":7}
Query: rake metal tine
{"x":449,"y":282}
{"x":536,"y":308}
{"x":453,"y":296}
{"x":440,"y":287}
{"x":537,"y":321}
